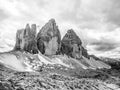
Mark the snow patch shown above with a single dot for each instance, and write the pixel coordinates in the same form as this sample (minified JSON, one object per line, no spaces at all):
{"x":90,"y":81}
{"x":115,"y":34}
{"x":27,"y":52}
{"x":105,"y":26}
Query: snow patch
{"x":11,"y":61}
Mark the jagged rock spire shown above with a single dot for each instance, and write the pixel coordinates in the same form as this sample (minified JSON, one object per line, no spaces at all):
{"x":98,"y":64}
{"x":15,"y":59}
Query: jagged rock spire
{"x":19,"y":36}
{"x":49,"y":38}
{"x":26,"y":40}
{"x":33,"y":30}
{"x":71,"y":45}
{"x":27,"y":30}
{"x":48,"y":41}
{"x":71,"y":37}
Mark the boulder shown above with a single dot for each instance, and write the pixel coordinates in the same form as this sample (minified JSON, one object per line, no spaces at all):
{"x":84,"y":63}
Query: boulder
{"x":49,"y":39}
{"x":26,"y":39}
{"x":71,"y":45}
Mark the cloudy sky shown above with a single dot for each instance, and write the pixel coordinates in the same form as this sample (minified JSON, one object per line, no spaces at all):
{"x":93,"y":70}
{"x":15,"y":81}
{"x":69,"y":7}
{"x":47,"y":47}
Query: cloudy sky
{"x":97,"y":22}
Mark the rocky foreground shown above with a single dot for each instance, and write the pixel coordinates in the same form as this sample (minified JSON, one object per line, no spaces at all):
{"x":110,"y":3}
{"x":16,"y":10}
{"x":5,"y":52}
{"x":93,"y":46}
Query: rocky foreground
{"x":49,"y":81}
{"x":56,"y":77}
{"x":45,"y":62}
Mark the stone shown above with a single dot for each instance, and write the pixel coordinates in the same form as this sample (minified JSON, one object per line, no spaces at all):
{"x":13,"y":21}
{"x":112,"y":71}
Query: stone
{"x":33,"y":30}
{"x":49,"y":39}
{"x":84,"y":52}
{"x":26,"y":39}
{"x":71,"y":45}
{"x":30,"y":43}
{"x":71,"y":38}
{"x":19,"y":36}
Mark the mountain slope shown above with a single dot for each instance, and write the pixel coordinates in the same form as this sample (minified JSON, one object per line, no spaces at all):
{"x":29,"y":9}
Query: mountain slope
{"x":23,"y":61}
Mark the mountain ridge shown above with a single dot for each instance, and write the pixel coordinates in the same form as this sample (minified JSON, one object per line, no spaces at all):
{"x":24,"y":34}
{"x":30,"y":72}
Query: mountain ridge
{"x":44,"y":60}
{"x":47,"y":48}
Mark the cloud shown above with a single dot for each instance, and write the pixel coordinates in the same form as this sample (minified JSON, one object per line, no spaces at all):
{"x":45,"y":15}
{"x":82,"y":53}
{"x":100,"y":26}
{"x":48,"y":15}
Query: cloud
{"x":104,"y":46}
{"x":113,"y":13}
{"x":3,"y":15}
{"x":105,"y":43}
{"x":86,"y":13}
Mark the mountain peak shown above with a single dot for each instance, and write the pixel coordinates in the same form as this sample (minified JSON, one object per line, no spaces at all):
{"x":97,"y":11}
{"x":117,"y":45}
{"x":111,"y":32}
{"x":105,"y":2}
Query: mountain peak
{"x":27,"y":26}
{"x":52,"y":20}
{"x":72,"y":37}
{"x":25,"y":39}
{"x":49,"y":38}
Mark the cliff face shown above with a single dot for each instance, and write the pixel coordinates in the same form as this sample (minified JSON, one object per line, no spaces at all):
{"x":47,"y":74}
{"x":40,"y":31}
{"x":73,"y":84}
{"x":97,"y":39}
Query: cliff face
{"x":48,"y":41}
{"x":72,"y":45}
{"x":26,"y":39}
{"x":19,"y":36}
{"x":49,"y":38}
{"x":85,"y":53}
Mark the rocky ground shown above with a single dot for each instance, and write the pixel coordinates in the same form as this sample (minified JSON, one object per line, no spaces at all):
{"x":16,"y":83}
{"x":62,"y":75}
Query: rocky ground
{"x":24,"y":71}
{"x":58,"y":79}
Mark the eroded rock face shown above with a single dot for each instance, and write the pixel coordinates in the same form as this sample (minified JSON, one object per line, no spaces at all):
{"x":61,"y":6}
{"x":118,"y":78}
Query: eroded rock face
{"x":49,"y":38}
{"x":26,"y":39}
{"x":48,"y":41}
{"x":71,"y":45}
{"x":84,"y":52}
{"x":19,"y":36}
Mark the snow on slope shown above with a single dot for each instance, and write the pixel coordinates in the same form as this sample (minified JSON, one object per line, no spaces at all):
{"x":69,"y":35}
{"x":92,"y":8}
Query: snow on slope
{"x":94,"y":64}
{"x":22,"y":61}
{"x":71,"y":61}
{"x":11,"y":61}
{"x":62,"y":60}
{"x":100,"y":64}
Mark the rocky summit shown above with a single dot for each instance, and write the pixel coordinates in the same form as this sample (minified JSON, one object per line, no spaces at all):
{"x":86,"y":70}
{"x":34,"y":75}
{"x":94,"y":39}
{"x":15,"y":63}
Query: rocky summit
{"x":49,"y":39}
{"x":26,"y":39}
{"x":42,"y":61}
{"x":71,"y":45}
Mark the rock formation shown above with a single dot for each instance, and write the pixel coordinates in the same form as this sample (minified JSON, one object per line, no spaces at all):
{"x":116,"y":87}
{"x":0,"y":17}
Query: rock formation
{"x":30,"y":71}
{"x":19,"y":36}
{"x":71,"y":45}
{"x":85,"y":53}
{"x":26,"y":39}
{"x":49,"y":39}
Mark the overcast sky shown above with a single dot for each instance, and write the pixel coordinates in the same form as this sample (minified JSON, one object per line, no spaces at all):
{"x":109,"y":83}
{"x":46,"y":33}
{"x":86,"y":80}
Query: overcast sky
{"x":97,"y":22}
